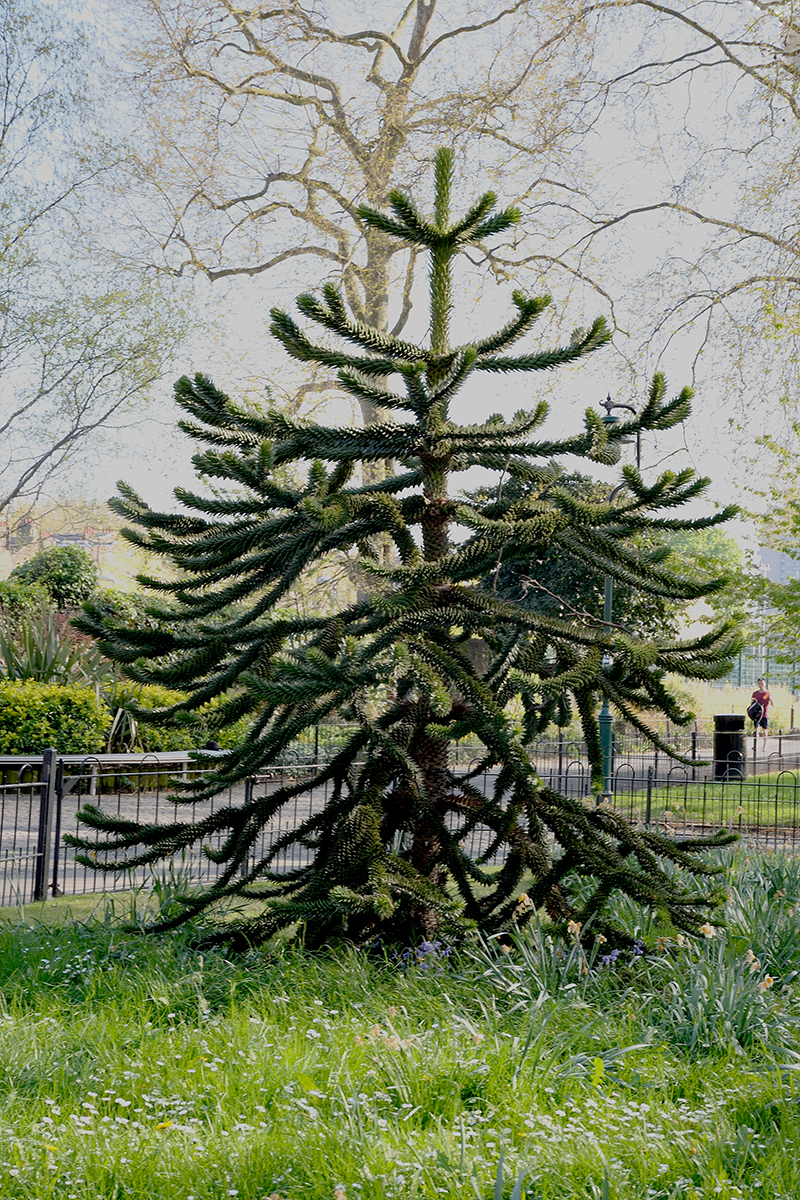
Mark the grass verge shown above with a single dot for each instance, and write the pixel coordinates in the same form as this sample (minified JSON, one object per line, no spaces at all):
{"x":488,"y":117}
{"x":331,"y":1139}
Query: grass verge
{"x":139,"y":1068}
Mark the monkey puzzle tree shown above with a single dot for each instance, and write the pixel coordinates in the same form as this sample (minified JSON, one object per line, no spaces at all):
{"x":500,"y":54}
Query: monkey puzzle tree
{"x":400,"y":663}
{"x":555,"y":583}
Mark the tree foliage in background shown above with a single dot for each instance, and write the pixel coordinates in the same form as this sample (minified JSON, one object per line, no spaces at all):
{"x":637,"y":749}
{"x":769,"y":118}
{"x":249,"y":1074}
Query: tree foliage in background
{"x":264,"y":124}
{"x":774,"y":604}
{"x":429,"y":656}
{"x":713,"y":552}
{"x":732,"y":70}
{"x":720,"y":200}
{"x":557,"y":583}
{"x":257,"y":131}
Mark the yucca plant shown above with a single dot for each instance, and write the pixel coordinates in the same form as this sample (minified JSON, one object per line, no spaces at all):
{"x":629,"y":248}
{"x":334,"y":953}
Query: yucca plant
{"x":37,"y":648}
{"x":124,"y":733}
{"x":426,"y":655}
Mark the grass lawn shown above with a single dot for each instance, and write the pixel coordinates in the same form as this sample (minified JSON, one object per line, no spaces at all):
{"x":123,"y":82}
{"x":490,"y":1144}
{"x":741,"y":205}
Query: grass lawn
{"x":141,"y":1068}
{"x":759,"y":802}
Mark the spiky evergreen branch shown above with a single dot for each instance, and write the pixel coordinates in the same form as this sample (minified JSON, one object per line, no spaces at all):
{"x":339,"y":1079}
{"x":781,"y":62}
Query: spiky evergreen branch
{"x":386,"y":852}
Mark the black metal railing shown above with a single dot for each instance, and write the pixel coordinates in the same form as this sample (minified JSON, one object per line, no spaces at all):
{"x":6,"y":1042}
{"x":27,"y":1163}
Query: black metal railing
{"x":763,"y":809}
{"x":40,"y":798}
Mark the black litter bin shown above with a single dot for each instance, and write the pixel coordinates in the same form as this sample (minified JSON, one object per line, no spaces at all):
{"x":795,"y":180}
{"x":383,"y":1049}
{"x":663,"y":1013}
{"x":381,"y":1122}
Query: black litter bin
{"x":730,"y":760}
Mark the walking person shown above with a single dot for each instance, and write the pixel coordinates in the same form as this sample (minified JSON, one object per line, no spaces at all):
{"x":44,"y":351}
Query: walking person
{"x":758,"y":710}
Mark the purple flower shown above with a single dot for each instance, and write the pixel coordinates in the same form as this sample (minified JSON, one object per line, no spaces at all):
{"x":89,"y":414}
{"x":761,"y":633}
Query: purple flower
{"x":426,"y":956}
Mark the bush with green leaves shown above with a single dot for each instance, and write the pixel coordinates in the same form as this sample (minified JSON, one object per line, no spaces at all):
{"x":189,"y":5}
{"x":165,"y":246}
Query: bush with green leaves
{"x":34,"y":716}
{"x":125,"y":608}
{"x":66,"y":572}
{"x":20,"y":600}
{"x":186,"y":731}
{"x":69,"y":716}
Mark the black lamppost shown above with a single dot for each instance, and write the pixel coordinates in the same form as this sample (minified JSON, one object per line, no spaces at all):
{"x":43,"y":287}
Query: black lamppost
{"x":609,"y":419}
{"x":606,"y":719}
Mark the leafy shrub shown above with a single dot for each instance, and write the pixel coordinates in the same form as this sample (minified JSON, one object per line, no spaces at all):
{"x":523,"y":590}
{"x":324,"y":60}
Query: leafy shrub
{"x":125,"y":608}
{"x":19,"y":600}
{"x":35,"y":715}
{"x":67,"y":573}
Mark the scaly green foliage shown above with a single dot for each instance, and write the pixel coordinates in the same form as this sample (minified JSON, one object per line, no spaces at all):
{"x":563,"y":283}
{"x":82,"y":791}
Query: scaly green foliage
{"x":429,"y":656}
{"x":555,"y":583}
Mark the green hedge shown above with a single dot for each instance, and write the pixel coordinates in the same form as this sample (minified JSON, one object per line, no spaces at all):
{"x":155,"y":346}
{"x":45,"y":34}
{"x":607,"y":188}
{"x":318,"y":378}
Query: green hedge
{"x":34,"y":716}
{"x":186,"y":731}
{"x":69,"y":717}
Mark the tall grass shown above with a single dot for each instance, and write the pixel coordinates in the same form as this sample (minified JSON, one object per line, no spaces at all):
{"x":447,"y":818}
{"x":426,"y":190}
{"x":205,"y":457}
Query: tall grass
{"x":137,"y":1068}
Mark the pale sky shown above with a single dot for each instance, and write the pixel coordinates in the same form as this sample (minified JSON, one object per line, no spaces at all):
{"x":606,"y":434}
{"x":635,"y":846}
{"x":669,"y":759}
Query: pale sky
{"x":236,"y":349}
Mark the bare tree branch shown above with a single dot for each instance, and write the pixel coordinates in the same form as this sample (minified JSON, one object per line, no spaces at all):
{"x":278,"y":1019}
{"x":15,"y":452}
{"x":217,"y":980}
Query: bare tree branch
{"x":732,"y":226}
{"x":78,"y":343}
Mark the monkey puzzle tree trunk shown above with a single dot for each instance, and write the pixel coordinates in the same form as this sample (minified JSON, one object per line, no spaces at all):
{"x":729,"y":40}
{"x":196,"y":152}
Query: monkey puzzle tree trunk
{"x":432,"y":752}
{"x":388,"y":852}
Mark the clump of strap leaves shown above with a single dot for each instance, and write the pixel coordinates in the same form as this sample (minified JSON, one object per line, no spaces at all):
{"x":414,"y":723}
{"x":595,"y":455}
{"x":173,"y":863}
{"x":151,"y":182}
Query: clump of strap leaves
{"x":425,"y":654}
